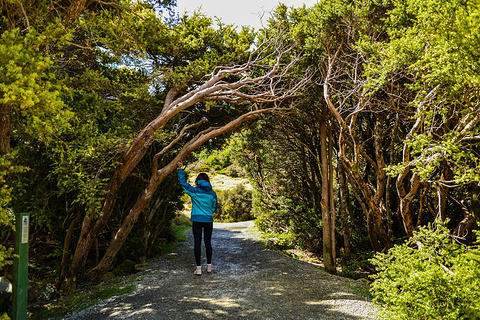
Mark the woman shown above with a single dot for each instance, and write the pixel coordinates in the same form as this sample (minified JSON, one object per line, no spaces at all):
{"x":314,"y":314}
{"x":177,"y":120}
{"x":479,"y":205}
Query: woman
{"x":204,"y":203}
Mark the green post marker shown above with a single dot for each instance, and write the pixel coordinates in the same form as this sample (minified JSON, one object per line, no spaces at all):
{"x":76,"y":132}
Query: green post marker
{"x":20,"y":267}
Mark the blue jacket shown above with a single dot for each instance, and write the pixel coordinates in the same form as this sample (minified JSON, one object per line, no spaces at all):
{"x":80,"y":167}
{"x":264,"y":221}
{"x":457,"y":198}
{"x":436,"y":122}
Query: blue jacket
{"x":204,"y":199}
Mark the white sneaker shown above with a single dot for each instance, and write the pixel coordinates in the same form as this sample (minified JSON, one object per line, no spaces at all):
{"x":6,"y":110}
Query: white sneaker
{"x":198,"y":271}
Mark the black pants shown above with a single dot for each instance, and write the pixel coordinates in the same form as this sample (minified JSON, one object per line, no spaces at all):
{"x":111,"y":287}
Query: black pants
{"x":197,"y":236}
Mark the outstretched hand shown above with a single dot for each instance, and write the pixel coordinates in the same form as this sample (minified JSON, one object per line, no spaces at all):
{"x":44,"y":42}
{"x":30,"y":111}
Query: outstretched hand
{"x":179,"y":164}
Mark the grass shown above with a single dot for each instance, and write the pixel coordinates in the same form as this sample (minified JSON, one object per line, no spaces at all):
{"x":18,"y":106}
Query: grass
{"x":179,"y":229}
{"x":222,"y":182}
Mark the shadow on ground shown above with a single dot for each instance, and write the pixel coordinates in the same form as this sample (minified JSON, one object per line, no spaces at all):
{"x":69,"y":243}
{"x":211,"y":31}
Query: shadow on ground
{"x":248,"y":282}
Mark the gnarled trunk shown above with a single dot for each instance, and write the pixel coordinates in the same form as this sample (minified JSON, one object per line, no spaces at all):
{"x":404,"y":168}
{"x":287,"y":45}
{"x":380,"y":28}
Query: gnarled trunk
{"x":443,"y":191}
{"x":344,"y":214}
{"x":5,"y":128}
{"x":327,"y":219}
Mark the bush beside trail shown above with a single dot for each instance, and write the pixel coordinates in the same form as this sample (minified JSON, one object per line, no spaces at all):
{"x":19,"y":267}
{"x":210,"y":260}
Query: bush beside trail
{"x":234,"y":205}
{"x":428,"y":277}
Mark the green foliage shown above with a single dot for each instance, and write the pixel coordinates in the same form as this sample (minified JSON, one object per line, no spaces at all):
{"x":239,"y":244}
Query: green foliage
{"x":76,"y":108}
{"x":431,"y":45}
{"x":428,"y":277}
{"x":282,"y":201}
{"x":207,"y":47}
{"x":215,"y":159}
{"x":234,"y":205}
{"x":81,"y":165}
{"x":158,"y":228}
{"x":29,"y":87}
{"x":30,"y":95}
{"x":7,"y":171}
{"x":349,"y":268}
{"x":280,"y":241}
{"x":220,"y":160}
{"x":6,"y":168}
{"x":285,"y":220}
{"x":78,"y":96}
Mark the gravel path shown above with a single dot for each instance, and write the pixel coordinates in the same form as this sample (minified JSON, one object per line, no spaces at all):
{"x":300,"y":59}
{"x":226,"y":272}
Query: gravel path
{"x":248,"y":282}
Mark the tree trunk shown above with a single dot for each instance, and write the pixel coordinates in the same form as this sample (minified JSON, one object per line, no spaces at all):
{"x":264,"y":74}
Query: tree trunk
{"x":374,"y":201}
{"x":372,"y":234}
{"x":388,"y":186}
{"x":443,"y":191}
{"x":406,"y":199}
{"x":404,"y":196}
{"x":130,"y":160}
{"x":381,"y":180}
{"x":66,"y":250}
{"x":333,"y":213}
{"x":374,"y":223}
{"x":124,"y":230}
{"x":328,"y":256}
{"x":463,"y":232}
{"x":5,"y":128}
{"x":91,"y":231}
{"x":381,"y":175}
{"x":422,"y":201}
{"x":73,"y":11}
{"x":92,"y":224}
{"x":343,"y":212}
{"x":151,"y":226}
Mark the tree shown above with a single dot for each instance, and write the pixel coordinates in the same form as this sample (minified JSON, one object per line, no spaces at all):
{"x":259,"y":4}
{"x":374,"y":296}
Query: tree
{"x":402,"y":138}
{"x":29,"y":97}
{"x":30,"y":107}
{"x":329,"y":33}
{"x":268,"y":89}
{"x":333,"y":37}
{"x":178,"y":78}
{"x":440,"y":147}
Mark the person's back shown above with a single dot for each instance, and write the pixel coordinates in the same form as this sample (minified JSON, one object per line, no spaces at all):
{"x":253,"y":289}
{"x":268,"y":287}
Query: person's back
{"x":204,"y":199}
{"x":204,"y":203}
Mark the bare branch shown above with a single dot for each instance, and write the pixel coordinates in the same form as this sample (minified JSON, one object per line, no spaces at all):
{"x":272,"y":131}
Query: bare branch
{"x":172,"y":143}
{"x":25,"y":15}
{"x":213,"y":132}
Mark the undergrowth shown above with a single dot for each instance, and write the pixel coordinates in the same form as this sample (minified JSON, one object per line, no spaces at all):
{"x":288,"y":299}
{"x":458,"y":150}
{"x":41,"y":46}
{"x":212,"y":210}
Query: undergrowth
{"x":428,"y":277}
{"x":92,"y":295}
{"x":83,"y":300}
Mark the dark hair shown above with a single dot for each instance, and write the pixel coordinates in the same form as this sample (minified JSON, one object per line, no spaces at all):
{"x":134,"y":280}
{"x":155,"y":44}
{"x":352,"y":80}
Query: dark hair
{"x":202,"y":176}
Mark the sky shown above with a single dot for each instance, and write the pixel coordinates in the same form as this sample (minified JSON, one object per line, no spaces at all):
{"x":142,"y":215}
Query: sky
{"x":239,"y":12}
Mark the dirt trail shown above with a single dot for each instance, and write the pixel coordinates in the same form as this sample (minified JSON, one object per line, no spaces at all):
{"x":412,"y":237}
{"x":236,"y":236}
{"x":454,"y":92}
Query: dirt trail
{"x":247,"y":282}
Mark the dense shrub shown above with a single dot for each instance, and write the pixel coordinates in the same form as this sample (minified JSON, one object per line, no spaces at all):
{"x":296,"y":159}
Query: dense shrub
{"x":280,"y":241}
{"x":213,"y":160}
{"x":428,"y":277}
{"x":234,"y":205}
{"x":283,"y":217}
{"x":232,"y":171}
